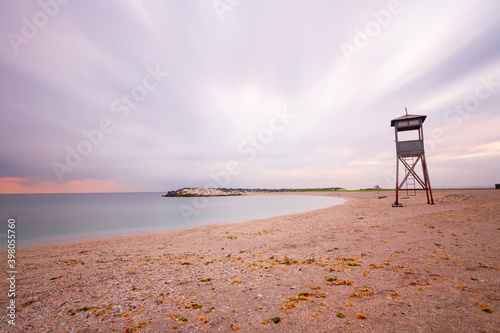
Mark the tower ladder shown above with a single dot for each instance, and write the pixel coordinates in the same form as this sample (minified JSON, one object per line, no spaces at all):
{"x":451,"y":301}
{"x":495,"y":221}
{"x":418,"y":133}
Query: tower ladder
{"x":411,"y":189}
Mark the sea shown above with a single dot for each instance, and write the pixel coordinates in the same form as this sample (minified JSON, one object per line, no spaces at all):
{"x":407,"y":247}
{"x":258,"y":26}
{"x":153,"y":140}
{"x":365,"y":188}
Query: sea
{"x":46,"y":219}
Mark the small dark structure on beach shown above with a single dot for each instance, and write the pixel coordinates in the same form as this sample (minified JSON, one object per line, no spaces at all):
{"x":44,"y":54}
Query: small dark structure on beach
{"x":497,"y":186}
{"x":409,"y":153}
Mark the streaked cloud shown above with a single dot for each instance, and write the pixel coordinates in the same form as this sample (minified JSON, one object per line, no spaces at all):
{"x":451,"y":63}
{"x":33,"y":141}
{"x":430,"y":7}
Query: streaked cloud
{"x":225,"y":77}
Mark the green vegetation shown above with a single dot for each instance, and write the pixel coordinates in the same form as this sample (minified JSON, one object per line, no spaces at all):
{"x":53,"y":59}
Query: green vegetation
{"x":353,"y":264}
{"x":364,"y":190}
{"x":394,"y":190}
{"x":85,"y":308}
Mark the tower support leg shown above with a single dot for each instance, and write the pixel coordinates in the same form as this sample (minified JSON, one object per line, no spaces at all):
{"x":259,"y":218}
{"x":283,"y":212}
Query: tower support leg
{"x":428,"y":188}
{"x":396,"y":203}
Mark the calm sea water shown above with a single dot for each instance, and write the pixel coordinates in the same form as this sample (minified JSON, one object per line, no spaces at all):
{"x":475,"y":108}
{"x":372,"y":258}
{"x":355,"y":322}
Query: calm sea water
{"x":43,"y":219}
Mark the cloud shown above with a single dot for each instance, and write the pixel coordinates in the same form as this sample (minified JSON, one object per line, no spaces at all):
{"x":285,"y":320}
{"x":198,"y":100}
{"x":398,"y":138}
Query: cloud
{"x":225,"y":75}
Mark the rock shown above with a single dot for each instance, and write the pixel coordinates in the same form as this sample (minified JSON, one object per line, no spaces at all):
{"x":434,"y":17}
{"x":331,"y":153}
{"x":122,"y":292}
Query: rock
{"x":202,"y":192}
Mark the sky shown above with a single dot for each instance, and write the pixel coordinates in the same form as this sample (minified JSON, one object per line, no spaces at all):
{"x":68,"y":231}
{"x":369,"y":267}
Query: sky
{"x":153,"y":95}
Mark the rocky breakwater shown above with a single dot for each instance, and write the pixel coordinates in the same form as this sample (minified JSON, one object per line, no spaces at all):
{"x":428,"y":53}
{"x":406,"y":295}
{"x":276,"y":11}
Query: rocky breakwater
{"x":202,"y":192}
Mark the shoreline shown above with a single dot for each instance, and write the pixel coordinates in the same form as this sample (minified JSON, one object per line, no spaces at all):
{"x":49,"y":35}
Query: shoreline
{"x":155,"y":234}
{"x":179,"y":226}
{"x":420,"y":268}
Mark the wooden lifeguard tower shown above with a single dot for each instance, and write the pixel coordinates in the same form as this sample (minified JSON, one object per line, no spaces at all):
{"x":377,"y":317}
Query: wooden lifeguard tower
{"x":409,"y":153}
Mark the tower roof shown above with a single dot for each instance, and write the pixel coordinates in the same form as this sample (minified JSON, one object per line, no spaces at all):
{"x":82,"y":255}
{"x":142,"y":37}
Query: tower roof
{"x":408,"y":117}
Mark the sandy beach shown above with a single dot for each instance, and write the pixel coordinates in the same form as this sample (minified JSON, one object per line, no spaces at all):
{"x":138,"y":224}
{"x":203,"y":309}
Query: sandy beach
{"x":363,"y":266}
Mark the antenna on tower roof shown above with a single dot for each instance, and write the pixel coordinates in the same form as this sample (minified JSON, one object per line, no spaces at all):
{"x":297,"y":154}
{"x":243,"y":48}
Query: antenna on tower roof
{"x":406,"y":110}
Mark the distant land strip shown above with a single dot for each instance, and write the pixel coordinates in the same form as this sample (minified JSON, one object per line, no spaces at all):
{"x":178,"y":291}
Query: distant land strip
{"x":218,"y":192}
